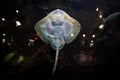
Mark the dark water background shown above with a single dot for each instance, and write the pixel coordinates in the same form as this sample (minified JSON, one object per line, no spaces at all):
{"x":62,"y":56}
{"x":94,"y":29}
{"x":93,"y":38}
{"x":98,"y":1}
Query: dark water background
{"x":33,"y":59}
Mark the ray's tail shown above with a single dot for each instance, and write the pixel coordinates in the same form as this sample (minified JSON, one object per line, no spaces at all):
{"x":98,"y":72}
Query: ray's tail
{"x":56,"y":60}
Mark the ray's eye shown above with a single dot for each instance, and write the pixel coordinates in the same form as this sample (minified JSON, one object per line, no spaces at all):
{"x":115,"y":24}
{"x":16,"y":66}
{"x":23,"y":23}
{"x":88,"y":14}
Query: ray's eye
{"x":57,"y":20}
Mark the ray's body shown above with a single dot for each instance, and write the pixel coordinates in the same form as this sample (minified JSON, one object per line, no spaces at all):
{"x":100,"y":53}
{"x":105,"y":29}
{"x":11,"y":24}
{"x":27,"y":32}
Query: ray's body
{"x":57,"y":29}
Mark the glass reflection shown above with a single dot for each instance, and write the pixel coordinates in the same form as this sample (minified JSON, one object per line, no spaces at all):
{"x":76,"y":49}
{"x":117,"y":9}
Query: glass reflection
{"x":3,"y":19}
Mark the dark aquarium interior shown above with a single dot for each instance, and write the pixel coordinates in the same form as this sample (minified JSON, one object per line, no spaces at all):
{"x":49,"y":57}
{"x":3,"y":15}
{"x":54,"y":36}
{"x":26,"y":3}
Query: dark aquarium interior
{"x":94,"y":54}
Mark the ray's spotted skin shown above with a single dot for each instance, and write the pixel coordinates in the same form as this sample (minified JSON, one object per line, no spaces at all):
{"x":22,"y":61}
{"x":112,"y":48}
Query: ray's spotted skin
{"x":57,"y":29}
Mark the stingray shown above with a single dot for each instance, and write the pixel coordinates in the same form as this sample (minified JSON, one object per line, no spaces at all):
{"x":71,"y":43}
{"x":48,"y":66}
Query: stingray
{"x":111,"y":16}
{"x":57,"y":29}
